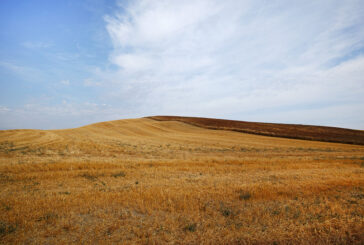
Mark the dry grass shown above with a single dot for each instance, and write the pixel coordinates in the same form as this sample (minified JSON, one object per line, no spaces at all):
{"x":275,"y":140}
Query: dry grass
{"x":291,"y":131}
{"x":154,"y":182}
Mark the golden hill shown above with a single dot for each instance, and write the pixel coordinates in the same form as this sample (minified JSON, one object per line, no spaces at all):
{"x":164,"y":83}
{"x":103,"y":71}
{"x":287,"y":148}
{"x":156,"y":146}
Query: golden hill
{"x":149,"y":181}
{"x":293,"y":131}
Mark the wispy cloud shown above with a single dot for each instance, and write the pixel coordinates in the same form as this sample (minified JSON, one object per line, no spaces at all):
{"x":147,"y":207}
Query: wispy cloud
{"x":279,"y":61}
{"x":65,"y":56}
{"x":89,"y":82}
{"x":23,"y":72}
{"x":4,"y":109}
{"x":64,"y":115}
{"x":232,"y":58}
{"x":65,"y":82}
{"x":36,"y":45}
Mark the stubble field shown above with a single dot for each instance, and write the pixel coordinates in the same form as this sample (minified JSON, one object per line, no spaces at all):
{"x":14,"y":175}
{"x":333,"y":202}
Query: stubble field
{"x":166,"y":182}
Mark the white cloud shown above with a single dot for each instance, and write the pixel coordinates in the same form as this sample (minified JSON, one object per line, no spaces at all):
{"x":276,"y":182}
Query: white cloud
{"x":281,"y":61}
{"x":36,"y":45}
{"x":231,"y":58}
{"x":132,"y":62}
{"x":4,"y":109}
{"x":16,"y":68}
{"x":89,"y":82}
{"x":23,"y":72}
{"x":65,"y":82}
{"x":41,"y":115}
{"x":64,"y":56}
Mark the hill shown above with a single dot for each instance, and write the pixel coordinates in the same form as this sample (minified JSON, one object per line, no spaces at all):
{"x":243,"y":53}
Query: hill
{"x":147,"y":181}
{"x":293,"y":131}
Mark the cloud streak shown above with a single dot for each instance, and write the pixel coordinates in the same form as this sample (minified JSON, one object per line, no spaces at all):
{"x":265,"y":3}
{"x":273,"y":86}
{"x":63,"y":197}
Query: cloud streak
{"x":273,"y":61}
{"x":36,"y":45}
{"x":234,"y":58}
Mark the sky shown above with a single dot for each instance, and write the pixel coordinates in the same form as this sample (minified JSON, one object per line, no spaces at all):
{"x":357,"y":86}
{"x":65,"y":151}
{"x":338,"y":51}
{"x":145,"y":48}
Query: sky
{"x":70,"y":63}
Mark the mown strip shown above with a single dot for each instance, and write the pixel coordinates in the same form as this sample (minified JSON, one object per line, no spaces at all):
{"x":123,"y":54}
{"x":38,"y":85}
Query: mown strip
{"x":292,"y":131}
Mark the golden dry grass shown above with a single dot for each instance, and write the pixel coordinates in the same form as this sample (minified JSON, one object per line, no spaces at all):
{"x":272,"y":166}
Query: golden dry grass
{"x":159,"y":182}
{"x":291,"y":131}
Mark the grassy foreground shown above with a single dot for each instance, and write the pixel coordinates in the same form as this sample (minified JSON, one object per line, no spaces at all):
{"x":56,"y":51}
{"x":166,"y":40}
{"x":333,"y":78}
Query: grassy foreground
{"x":158,"y":182}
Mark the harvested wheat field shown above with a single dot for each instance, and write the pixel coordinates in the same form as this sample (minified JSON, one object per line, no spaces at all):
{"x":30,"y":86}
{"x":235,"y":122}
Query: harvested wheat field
{"x":146,"y":181}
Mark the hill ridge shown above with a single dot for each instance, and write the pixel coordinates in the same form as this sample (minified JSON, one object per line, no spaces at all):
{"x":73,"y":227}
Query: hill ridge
{"x":291,"y":131}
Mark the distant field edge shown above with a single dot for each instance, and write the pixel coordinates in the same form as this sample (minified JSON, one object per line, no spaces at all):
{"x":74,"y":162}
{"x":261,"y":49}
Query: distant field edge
{"x":291,"y":131}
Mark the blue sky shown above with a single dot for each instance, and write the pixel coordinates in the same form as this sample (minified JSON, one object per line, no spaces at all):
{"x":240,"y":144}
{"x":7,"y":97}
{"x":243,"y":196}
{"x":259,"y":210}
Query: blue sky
{"x":70,"y":63}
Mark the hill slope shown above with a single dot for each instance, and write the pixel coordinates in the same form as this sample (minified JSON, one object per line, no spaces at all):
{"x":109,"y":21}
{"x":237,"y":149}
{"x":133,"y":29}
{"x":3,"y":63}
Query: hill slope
{"x":293,"y":131}
{"x":144,"y":181}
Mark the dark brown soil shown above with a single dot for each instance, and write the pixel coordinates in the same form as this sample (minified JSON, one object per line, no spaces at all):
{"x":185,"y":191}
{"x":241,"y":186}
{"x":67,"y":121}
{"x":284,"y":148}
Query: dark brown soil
{"x":294,"y":131}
